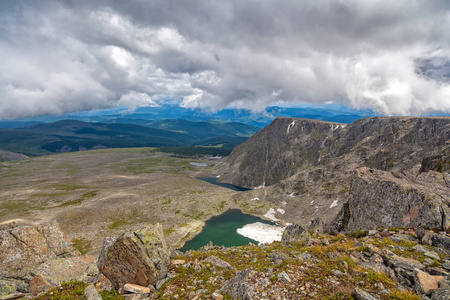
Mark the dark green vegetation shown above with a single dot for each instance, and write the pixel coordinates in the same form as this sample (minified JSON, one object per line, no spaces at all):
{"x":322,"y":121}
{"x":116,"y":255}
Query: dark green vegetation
{"x":221,"y":230}
{"x":72,"y":135}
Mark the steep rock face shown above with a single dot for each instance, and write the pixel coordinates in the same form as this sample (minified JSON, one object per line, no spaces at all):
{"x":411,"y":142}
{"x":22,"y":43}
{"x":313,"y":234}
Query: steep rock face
{"x":278,"y":151}
{"x":139,"y":257}
{"x":307,"y":166}
{"x":387,"y":199}
{"x":290,"y":145}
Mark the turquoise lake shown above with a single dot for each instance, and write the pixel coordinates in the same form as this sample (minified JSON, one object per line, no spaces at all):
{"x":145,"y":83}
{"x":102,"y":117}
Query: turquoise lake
{"x":222,"y":230}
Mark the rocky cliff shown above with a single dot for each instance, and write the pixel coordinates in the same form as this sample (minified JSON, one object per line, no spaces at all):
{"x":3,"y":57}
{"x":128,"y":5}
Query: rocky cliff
{"x":311,"y":169}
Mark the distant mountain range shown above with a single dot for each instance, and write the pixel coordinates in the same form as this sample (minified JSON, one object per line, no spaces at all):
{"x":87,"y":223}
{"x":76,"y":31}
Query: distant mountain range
{"x":74,"y":135}
{"x":145,"y":115}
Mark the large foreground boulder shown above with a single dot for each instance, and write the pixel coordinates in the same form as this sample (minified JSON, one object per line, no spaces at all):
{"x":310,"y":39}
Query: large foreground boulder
{"x":139,"y":257}
{"x":23,"y":248}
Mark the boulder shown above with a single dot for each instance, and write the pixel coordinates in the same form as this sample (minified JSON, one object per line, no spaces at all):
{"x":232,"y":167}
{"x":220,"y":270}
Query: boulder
{"x":292,"y":233}
{"x":23,"y":248}
{"x":363,"y":295}
{"x":60,"y":270}
{"x":441,"y":294}
{"x":39,"y":285}
{"x":7,"y":288}
{"x":316,"y":225}
{"x":441,"y":240}
{"x":103,"y":284}
{"x":136,"y":289}
{"x":424,"y":282}
{"x":237,"y":287}
{"x":214,"y":260}
{"x":91,"y":293}
{"x":139,"y":257}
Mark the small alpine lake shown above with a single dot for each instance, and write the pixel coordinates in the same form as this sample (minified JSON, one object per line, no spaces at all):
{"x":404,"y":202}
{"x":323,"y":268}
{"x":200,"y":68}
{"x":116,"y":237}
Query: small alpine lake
{"x":222,"y":230}
{"x":213,"y":180}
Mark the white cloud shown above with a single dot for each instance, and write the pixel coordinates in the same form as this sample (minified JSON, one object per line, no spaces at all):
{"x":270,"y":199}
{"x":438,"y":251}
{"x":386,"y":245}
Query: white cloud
{"x":68,"y":56}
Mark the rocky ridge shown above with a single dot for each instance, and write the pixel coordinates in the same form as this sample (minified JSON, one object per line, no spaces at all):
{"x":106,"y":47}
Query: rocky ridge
{"x":306,"y":264}
{"x":312,"y":169}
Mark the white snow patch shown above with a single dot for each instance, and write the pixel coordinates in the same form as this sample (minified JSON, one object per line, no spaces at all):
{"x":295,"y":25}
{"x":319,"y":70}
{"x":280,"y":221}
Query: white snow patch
{"x":254,"y":199}
{"x":290,"y":125}
{"x":271,"y":215}
{"x":335,"y":203}
{"x":292,"y":195}
{"x":281,"y":211}
{"x":263,"y":233}
{"x":218,"y":176}
{"x":284,"y":202}
{"x":259,"y":187}
{"x":312,"y":202}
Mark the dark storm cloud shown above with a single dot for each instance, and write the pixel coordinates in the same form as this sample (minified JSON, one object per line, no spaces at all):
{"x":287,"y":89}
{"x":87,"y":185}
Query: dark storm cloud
{"x":62,"y":56}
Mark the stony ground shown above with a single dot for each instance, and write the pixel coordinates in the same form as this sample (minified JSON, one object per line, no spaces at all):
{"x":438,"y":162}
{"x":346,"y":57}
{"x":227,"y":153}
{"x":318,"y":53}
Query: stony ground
{"x":94,"y":194}
{"x":319,"y":267}
{"x":387,"y":264}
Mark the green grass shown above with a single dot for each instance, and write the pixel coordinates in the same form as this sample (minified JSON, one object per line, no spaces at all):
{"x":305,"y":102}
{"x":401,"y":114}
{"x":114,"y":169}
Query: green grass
{"x":81,"y":244}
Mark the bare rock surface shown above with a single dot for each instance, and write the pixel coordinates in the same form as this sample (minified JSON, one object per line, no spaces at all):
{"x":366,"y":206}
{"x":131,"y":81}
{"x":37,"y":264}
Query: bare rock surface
{"x":91,"y":293}
{"x":425,"y":282}
{"x":384,"y":171}
{"x":140,"y":257}
{"x":292,"y":233}
{"x":24,"y":248}
{"x":39,"y":284}
{"x":60,"y":270}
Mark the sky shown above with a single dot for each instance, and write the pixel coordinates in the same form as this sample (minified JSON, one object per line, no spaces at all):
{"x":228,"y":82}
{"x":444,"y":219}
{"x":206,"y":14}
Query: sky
{"x":76,"y":55}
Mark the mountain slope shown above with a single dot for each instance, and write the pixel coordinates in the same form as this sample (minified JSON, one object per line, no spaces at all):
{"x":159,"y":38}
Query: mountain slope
{"x":309,"y":167}
{"x":70,"y":135}
{"x":207,"y":129}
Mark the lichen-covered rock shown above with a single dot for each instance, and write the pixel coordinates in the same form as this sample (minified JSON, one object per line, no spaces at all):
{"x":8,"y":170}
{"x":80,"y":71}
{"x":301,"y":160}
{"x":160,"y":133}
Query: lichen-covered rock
{"x":441,"y":294}
{"x":7,"y":288}
{"x":140,"y":257}
{"x":292,"y":233}
{"x":60,"y":270}
{"x":214,"y":260}
{"x":91,"y":293}
{"x":441,"y":240}
{"x":23,"y":248}
{"x":316,"y":225}
{"x":363,"y":295}
{"x":237,"y":287}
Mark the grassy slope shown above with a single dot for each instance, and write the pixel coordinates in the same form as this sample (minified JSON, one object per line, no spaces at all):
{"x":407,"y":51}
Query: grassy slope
{"x":100,"y":193}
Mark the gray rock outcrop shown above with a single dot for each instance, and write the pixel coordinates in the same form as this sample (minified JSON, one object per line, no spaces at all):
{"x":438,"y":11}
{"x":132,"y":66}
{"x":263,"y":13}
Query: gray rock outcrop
{"x":292,"y":233}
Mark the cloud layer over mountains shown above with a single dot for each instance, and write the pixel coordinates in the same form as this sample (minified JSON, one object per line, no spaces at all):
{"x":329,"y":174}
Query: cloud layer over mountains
{"x":72,"y":55}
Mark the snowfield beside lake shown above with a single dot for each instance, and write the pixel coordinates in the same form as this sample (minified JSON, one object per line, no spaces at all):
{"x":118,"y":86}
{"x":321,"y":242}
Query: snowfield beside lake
{"x":263,"y":233}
